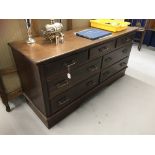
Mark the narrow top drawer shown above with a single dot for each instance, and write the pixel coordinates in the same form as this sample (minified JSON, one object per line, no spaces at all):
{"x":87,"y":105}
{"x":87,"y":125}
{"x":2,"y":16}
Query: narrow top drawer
{"x":124,"y":40}
{"x":71,"y":61}
{"x":102,"y":49}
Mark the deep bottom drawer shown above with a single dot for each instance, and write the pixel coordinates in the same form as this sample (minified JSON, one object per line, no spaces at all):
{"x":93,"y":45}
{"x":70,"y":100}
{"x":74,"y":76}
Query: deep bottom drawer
{"x":113,"y":69}
{"x":113,"y":78}
{"x":62,"y":100}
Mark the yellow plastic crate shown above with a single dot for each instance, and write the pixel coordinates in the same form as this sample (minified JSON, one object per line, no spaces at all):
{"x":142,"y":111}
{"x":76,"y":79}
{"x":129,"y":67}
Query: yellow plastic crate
{"x":109,"y":24}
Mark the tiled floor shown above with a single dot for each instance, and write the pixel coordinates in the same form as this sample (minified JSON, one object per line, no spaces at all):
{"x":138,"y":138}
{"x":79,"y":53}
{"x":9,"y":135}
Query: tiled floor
{"x":125,"y":107}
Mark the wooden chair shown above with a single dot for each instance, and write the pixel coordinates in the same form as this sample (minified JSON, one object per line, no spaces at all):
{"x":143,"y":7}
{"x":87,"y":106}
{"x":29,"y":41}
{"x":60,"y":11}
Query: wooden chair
{"x":8,"y":89}
{"x":142,"y":30}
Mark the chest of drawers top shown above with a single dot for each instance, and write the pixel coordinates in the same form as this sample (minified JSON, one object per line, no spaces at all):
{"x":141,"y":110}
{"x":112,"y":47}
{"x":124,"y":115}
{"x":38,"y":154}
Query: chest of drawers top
{"x":42,"y":50}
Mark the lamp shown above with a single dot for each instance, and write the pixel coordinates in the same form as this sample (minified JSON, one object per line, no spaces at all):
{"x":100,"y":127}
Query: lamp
{"x":30,"y":40}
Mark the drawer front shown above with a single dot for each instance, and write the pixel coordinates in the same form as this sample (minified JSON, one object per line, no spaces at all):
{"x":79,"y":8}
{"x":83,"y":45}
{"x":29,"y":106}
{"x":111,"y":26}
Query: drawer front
{"x":102,"y":49}
{"x":61,"y":65}
{"x":113,"y":69}
{"x":63,"y":99}
{"x":61,"y":83}
{"x":115,"y":56}
{"x":114,"y":77}
{"x":127,"y":39}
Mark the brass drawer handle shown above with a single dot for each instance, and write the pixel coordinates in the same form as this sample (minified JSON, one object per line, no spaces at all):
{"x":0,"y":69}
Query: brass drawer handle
{"x":91,"y":83}
{"x":123,"y":64}
{"x":72,"y":63}
{"x":62,"y":84}
{"x":103,"y":48}
{"x":93,"y":68}
{"x":63,"y":101}
{"x":126,"y":39}
{"x":108,"y":59}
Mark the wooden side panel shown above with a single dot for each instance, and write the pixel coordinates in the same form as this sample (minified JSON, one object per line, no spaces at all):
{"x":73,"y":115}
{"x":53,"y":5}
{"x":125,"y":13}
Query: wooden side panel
{"x":30,"y":79}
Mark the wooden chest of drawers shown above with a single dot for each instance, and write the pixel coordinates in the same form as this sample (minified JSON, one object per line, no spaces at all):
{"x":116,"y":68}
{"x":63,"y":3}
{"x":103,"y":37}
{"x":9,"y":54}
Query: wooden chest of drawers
{"x":43,"y":69}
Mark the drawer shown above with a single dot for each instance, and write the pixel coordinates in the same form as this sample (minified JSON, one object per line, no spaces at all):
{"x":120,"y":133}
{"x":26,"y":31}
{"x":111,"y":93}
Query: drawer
{"x":113,"y":69}
{"x":116,"y":55}
{"x":127,"y":39}
{"x":60,"y":83}
{"x":63,"y":99}
{"x":102,"y":49}
{"x":114,"y":77}
{"x":61,"y":65}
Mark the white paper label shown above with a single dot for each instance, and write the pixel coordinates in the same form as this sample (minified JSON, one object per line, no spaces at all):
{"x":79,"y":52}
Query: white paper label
{"x":69,"y":75}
